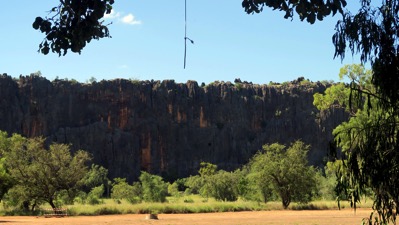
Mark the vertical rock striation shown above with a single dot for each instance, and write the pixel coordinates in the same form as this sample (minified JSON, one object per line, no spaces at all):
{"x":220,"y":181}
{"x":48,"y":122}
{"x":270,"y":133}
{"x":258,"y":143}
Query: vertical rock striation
{"x":165,"y":127}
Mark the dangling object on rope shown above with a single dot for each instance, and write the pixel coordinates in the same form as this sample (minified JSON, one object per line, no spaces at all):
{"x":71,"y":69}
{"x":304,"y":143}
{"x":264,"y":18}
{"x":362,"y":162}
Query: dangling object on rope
{"x":185,"y":33}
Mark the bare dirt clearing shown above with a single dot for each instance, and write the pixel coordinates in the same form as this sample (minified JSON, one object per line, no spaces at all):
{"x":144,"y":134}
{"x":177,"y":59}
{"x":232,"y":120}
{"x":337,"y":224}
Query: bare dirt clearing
{"x":305,"y":217}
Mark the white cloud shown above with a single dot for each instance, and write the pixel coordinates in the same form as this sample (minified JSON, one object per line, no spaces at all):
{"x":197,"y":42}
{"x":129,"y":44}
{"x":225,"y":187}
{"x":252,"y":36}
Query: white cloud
{"x":112,"y":15}
{"x":129,"y":19}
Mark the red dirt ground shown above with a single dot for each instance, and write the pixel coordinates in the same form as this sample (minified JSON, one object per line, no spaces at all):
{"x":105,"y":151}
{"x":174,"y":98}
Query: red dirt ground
{"x":305,"y":217}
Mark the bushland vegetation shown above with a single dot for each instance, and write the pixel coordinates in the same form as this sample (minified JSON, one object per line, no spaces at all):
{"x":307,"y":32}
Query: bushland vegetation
{"x":34,"y":176}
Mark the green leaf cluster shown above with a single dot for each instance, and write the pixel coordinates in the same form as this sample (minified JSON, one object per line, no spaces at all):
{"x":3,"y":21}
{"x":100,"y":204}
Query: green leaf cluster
{"x":369,"y":144}
{"x":276,"y":172}
{"x":285,"y":172}
{"x":305,"y":10}
{"x":154,"y":188}
{"x":122,"y":190}
{"x":40,"y":173}
{"x":72,"y":25}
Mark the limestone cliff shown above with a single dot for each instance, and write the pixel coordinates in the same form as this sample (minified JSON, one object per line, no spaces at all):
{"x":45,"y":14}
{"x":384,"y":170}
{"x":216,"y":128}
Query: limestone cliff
{"x":165,"y":127}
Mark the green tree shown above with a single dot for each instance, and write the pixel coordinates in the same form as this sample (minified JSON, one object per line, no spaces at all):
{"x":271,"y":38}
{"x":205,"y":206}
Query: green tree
{"x":247,"y":185}
{"x":257,"y":188}
{"x":207,"y":169}
{"x":94,"y":196}
{"x":194,"y":184}
{"x":342,"y":95}
{"x":369,"y":145}
{"x":210,"y":182}
{"x":154,"y":188}
{"x":6,"y":181}
{"x":327,"y":182}
{"x":41,"y":173}
{"x":222,"y":186}
{"x":122,"y":190}
{"x":335,"y":96}
{"x":18,"y":196}
{"x":284,"y":171}
{"x":198,"y":184}
{"x":369,"y":140}
{"x":173,"y":190}
{"x":96,"y":176}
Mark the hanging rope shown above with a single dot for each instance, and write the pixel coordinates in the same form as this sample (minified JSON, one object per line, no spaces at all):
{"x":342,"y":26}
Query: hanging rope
{"x":185,"y":33}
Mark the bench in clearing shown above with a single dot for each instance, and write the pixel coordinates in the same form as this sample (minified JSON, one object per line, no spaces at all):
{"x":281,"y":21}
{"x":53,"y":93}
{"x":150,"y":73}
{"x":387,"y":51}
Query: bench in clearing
{"x":57,"y":212}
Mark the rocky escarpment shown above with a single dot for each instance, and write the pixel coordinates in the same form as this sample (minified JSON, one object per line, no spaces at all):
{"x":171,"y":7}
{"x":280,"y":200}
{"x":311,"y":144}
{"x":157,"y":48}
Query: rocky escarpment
{"x":165,"y":127}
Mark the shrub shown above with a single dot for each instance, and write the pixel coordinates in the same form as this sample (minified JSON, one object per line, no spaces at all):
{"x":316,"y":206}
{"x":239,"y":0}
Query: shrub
{"x":154,"y":188}
{"x":222,"y":186}
{"x":122,"y":190}
{"x":93,"y":198}
{"x":173,"y":190}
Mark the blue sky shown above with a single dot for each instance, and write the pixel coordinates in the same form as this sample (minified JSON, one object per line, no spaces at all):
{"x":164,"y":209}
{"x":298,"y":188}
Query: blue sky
{"x":148,"y":43}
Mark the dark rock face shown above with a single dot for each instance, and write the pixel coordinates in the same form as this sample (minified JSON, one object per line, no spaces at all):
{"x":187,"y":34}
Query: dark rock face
{"x":164,"y":127}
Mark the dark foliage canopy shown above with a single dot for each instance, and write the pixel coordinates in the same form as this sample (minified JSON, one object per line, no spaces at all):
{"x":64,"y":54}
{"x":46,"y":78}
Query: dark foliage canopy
{"x":370,"y":140}
{"x":72,"y":24}
{"x":309,"y":10}
{"x":373,"y":33}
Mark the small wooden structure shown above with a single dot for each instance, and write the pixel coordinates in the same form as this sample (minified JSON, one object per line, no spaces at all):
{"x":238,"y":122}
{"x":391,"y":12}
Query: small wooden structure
{"x":57,"y":212}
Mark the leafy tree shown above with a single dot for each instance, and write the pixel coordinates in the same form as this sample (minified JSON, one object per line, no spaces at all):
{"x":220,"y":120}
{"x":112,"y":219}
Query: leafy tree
{"x":197,"y":184}
{"x":373,"y":33}
{"x":210,"y":182}
{"x":18,"y":196}
{"x":6,"y":181}
{"x":207,"y":169}
{"x":284,"y":171}
{"x":194,"y":184}
{"x":93,"y":198}
{"x":327,"y":182}
{"x":369,"y":144}
{"x":41,"y":173}
{"x":173,"y":190}
{"x":370,"y":139}
{"x":341,"y":95}
{"x":96,"y":176}
{"x":247,"y":185}
{"x":222,"y":186}
{"x":334,"y":96}
{"x":258,"y":189}
{"x":154,"y":188}
{"x":122,"y":190}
